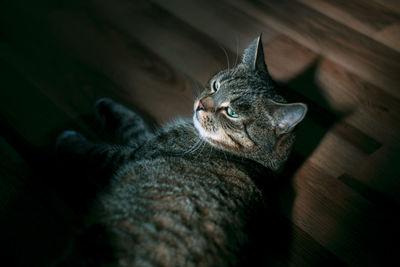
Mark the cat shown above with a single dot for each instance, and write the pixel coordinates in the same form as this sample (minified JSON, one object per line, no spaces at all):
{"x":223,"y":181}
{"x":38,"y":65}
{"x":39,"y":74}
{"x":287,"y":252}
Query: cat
{"x":184,"y":194}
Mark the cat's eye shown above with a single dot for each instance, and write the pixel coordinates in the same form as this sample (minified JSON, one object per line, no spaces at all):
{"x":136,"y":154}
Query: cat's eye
{"x":231,"y":113}
{"x":216,"y":85}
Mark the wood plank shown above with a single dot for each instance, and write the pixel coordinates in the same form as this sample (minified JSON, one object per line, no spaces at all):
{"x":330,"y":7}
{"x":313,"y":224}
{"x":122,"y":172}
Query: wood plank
{"x":380,"y":172}
{"x":369,"y":59}
{"x":304,"y":250}
{"x":226,"y":24}
{"x":383,"y":200}
{"x":132,"y":67}
{"x":35,"y":68}
{"x":81,"y":63}
{"x":390,"y":36}
{"x":287,"y":59}
{"x":334,"y":154}
{"x":320,"y":121}
{"x":390,"y":4}
{"x":331,"y":213}
{"x":295,"y":247}
{"x":368,"y":108}
{"x":180,"y":45}
{"x":367,"y":17}
{"x":138,"y":76}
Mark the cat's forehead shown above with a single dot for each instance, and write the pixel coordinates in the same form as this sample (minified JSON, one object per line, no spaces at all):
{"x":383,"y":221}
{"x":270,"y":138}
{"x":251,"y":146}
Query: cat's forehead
{"x":246,"y":83}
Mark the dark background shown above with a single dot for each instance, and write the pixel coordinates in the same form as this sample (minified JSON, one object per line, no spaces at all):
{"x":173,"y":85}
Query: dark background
{"x":340,"y":194}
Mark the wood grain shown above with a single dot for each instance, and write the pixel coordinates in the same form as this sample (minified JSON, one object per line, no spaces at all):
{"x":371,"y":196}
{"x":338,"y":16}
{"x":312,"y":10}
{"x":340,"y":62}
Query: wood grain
{"x":390,"y":4}
{"x":390,"y":36}
{"x":137,"y":75}
{"x":165,"y":34}
{"x":371,"y":60}
{"x":368,"y":17}
{"x":325,"y":214}
{"x":231,"y":27}
{"x":363,"y":102}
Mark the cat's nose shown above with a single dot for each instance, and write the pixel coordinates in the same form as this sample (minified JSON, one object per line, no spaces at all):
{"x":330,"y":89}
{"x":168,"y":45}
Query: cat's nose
{"x":205,"y":104}
{"x":201,"y":106}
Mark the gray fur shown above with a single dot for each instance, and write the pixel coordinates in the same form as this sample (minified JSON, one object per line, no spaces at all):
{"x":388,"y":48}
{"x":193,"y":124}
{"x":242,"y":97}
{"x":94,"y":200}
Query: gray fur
{"x":178,"y":198}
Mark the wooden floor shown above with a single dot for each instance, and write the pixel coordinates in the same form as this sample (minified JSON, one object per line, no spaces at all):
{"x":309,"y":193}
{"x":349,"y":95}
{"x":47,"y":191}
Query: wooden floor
{"x":341,"y":198}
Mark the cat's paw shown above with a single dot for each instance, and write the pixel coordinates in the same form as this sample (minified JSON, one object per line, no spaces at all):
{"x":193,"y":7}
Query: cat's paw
{"x":102,"y":103}
{"x":102,"y":109}
{"x":68,"y":138}
{"x":112,"y":115}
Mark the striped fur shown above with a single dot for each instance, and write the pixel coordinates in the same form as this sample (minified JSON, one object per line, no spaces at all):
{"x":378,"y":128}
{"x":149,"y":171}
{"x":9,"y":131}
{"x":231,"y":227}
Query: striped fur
{"x":180,"y":196}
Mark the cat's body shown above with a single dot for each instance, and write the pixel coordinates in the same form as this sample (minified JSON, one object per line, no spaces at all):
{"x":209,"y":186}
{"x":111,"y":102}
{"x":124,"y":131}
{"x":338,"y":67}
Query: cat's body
{"x":189,"y":209}
{"x":187,"y":194}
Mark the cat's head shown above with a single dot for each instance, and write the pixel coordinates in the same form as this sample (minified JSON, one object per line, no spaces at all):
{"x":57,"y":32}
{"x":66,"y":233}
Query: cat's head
{"x":241,"y":111}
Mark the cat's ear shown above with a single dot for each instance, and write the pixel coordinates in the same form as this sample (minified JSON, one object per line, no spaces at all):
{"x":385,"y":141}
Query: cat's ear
{"x":253,"y":56}
{"x":287,"y":116}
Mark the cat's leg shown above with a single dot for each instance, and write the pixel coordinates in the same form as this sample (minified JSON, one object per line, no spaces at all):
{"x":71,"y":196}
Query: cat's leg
{"x":76,"y":152}
{"x":127,"y":127}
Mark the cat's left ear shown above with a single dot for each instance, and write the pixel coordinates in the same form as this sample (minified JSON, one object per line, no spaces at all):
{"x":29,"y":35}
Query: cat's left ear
{"x":253,"y":56}
{"x":287,"y":116}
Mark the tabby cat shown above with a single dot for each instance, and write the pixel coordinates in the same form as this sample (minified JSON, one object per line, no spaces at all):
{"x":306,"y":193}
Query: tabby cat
{"x":183,"y":195}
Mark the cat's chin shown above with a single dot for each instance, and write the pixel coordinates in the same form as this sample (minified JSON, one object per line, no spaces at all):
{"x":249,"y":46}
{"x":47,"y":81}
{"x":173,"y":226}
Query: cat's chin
{"x":204,"y":134}
{"x":198,"y":126}
{"x":214,"y":139}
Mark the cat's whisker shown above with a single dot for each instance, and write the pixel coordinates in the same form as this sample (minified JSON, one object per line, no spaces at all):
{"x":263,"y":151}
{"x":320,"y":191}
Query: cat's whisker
{"x":237,"y":53}
{"x":198,"y":147}
{"x":195,"y":96}
{"x":198,"y":90}
{"x":226,"y":158}
{"x":194,"y":86}
{"x":235,"y":71}
{"x":191,"y":148}
{"x":194,"y":147}
{"x":201,"y":150}
{"x":226,"y":55}
{"x":209,"y":154}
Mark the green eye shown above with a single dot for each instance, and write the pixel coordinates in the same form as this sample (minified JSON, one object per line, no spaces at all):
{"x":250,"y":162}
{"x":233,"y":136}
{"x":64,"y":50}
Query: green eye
{"x":231,"y":113}
{"x":216,"y":85}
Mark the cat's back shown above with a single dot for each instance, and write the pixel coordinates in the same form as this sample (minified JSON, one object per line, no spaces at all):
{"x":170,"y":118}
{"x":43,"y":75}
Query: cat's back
{"x":179,"y":211}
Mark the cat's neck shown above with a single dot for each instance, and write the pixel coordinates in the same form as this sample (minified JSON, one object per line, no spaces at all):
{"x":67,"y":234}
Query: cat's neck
{"x":179,"y":138}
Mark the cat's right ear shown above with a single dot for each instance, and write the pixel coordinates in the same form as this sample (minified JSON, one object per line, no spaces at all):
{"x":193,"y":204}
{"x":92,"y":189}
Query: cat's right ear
{"x":287,"y":116}
{"x":253,"y":56}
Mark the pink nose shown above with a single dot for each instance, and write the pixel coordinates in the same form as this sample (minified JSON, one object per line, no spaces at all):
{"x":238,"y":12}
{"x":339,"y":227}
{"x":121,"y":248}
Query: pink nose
{"x":205,"y":103}
{"x":201,"y":106}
